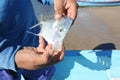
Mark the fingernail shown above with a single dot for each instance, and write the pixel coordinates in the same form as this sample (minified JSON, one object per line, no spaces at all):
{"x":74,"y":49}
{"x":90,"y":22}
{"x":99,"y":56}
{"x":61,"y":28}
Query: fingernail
{"x":58,"y":16}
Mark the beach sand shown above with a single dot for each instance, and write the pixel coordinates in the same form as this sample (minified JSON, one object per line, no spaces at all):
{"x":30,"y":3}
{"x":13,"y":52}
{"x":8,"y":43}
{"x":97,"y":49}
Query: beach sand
{"x":94,"y":27}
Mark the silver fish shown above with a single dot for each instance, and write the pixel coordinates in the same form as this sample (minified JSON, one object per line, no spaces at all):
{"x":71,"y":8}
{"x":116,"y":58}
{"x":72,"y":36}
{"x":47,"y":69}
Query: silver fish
{"x":54,"y":31}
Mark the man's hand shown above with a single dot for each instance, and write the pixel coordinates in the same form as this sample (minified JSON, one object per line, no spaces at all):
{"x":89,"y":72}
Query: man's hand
{"x":33,"y":58}
{"x":65,"y":7}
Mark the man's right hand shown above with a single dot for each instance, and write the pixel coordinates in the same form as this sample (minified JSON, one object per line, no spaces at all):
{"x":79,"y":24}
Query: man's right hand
{"x":33,"y":58}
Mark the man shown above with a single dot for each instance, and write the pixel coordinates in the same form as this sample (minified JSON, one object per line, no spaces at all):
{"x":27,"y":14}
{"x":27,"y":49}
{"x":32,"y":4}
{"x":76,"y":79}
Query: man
{"x":22,"y":55}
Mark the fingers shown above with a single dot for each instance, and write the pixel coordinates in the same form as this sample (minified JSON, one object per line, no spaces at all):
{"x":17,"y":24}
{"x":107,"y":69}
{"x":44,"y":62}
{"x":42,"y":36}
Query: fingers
{"x":65,"y":7}
{"x":49,"y":49}
{"x":59,"y":8}
{"x":49,"y":57}
{"x":57,"y":56}
{"x":30,"y":59}
{"x":60,"y":54}
{"x":46,"y":57}
{"x":41,"y":46}
{"x":71,"y":8}
{"x":41,"y":42}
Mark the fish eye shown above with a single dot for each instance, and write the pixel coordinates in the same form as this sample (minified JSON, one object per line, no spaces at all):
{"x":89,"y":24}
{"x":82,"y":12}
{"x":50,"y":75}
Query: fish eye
{"x":61,"y":29}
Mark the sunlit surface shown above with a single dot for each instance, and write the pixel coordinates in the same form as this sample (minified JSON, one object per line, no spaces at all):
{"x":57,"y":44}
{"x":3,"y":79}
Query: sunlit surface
{"x":89,"y":65}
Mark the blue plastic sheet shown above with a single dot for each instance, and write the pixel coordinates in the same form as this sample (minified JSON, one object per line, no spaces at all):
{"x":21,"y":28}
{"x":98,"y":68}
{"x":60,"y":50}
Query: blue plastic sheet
{"x":89,"y":65}
{"x":98,"y":3}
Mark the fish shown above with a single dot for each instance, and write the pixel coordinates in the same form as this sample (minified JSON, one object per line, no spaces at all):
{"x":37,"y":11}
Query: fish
{"x":54,"y":31}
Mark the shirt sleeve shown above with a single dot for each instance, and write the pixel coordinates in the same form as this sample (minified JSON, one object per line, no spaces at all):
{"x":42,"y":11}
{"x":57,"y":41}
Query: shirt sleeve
{"x":7,"y":53}
{"x":48,"y":2}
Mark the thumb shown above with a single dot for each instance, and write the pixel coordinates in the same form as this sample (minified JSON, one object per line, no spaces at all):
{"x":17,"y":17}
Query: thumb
{"x":59,"y":8}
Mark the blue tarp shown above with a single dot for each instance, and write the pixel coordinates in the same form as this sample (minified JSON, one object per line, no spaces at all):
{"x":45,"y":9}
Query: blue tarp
{"x":89,"y":65}
{"x":98,"y":3}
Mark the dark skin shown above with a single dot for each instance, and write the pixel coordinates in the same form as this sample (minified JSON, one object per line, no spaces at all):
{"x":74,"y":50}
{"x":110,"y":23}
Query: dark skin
{"x":32,"y":58}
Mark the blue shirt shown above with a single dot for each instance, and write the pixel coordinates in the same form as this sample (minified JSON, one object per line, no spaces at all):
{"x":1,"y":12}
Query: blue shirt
{"x":16,"y":17}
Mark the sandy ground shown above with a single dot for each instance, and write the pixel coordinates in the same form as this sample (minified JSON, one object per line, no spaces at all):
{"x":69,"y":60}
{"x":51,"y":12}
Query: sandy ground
{"x":94,"y":27}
